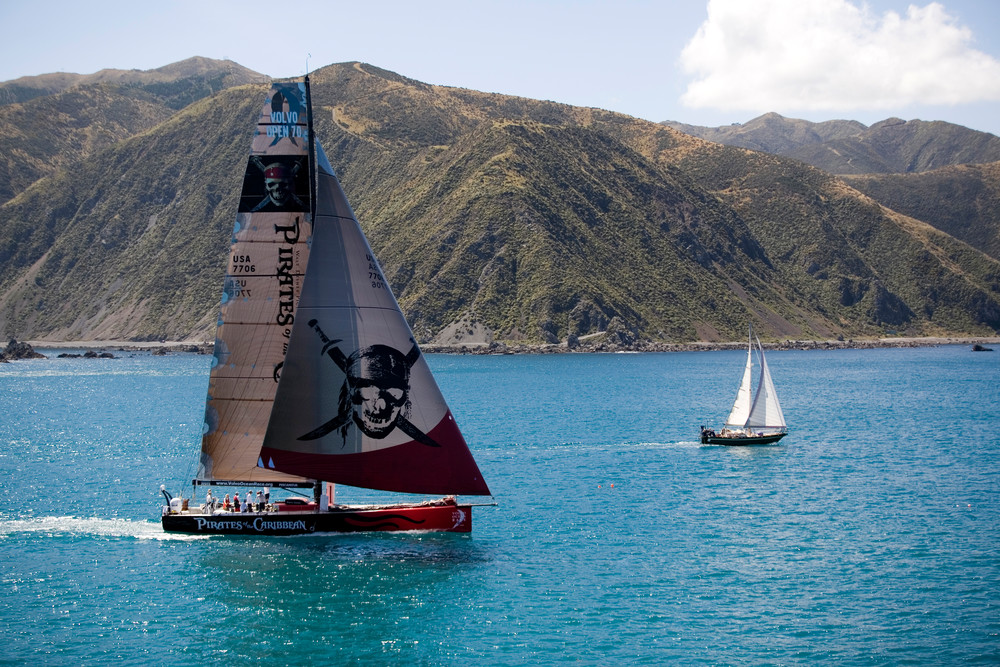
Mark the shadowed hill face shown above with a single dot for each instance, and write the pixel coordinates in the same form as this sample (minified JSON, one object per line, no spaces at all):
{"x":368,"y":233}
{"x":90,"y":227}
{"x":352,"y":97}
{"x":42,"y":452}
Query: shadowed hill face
{"x":554,"y":229}
{"x":963,"y":201}
{"x":130,"y":242}
{"x":529,"y":221}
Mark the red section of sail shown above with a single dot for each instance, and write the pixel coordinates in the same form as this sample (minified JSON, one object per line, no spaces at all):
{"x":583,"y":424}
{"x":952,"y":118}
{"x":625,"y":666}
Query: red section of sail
{"x":411,"y":467}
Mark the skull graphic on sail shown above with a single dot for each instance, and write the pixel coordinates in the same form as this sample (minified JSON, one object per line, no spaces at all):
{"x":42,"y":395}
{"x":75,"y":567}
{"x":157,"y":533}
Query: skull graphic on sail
{"x":375,"y":392}
{"x":279,"y":185}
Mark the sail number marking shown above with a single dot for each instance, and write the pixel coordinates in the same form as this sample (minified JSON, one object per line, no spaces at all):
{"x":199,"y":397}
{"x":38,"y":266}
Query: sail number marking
{"x":243,"y":264}
{"x":238,"y":289}
{"x":375,"y":274}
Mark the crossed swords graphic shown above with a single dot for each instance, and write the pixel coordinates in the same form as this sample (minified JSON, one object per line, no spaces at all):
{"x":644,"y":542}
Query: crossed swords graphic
{"x":343,"y":363}
{"x":263,"y":168}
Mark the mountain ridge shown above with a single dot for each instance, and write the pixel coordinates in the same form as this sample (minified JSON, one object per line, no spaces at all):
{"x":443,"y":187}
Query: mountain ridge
{"x":845,"y":147}
{"x":50,"y":121}
{"x":526,"y":221}
{"x":197,"y":67}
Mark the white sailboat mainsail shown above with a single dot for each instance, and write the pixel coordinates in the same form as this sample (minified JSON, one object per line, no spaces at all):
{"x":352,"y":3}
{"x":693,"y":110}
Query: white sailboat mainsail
{"x":744,"y":398}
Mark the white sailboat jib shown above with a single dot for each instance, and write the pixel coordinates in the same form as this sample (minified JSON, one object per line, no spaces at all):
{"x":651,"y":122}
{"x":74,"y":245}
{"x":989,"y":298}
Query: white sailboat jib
{"x":766,"y":411}
{"x":744,"y":396}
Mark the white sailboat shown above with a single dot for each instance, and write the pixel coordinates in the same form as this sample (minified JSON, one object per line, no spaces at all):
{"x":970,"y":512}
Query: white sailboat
{"x":756,"y":417}
{"x":316,"y":377}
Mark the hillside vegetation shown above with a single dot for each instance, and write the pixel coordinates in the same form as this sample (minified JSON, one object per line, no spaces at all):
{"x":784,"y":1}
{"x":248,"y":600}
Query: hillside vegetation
{"x":848,"y":147}
{"x":175,"y":85}
{"x":55,"y":120}
{"x":524,"y":220}
{"x":962,"y":200}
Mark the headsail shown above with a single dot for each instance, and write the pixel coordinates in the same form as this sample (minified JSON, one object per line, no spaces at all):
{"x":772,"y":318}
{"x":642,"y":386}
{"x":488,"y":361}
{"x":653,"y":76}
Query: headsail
{"x":270,"y":250}
{"x":357,"y":403}
{"x":766,"y":411}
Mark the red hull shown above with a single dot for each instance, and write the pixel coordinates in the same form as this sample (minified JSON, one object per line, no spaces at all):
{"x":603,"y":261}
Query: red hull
{"x":440,"y":518}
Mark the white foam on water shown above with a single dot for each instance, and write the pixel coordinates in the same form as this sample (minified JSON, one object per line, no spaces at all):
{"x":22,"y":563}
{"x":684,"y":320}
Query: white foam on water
{"x":69,"y":525}
{"x":675,"y":444}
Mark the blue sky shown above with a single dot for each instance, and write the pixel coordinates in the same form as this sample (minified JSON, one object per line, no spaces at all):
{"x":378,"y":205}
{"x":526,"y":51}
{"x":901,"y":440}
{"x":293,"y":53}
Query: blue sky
{"x":709,"y":62}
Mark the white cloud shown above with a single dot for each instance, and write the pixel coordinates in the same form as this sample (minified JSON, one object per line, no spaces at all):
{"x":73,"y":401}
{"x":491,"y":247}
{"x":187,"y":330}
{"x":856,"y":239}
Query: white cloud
{"x":818,"y":55}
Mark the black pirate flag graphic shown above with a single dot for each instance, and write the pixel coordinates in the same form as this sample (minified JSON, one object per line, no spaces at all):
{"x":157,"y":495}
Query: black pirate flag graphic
{"x":275,"y":184}
{"x":375,"y":393}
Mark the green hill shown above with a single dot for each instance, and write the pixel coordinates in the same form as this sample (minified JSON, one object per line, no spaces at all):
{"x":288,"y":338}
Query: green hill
{"x":54,"y":120}
{"x":963,"y":200}
{"x":524,"y":220}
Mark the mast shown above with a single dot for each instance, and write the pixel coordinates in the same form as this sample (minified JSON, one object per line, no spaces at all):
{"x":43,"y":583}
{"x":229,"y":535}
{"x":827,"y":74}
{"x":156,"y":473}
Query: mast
{"x":318,"y":483}
{"x":312,"y":153}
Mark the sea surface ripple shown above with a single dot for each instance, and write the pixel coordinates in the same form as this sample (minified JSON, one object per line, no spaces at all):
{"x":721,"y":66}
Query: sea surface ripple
{"x":868,"y":536}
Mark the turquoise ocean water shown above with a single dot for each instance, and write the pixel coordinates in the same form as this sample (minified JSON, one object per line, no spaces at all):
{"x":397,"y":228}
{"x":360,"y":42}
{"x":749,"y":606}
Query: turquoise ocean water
{"x":871,"y":535}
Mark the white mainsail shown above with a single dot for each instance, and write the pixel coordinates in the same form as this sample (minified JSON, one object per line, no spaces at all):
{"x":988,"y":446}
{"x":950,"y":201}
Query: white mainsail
{"x":744,"y":398}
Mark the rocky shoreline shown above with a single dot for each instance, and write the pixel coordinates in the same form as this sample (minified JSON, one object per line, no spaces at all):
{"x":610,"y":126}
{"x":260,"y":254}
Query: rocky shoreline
{"x":16,"y":351}
{"x":861,"y":344}
{"x":494,"y":348}
{"x":22,"y":350}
